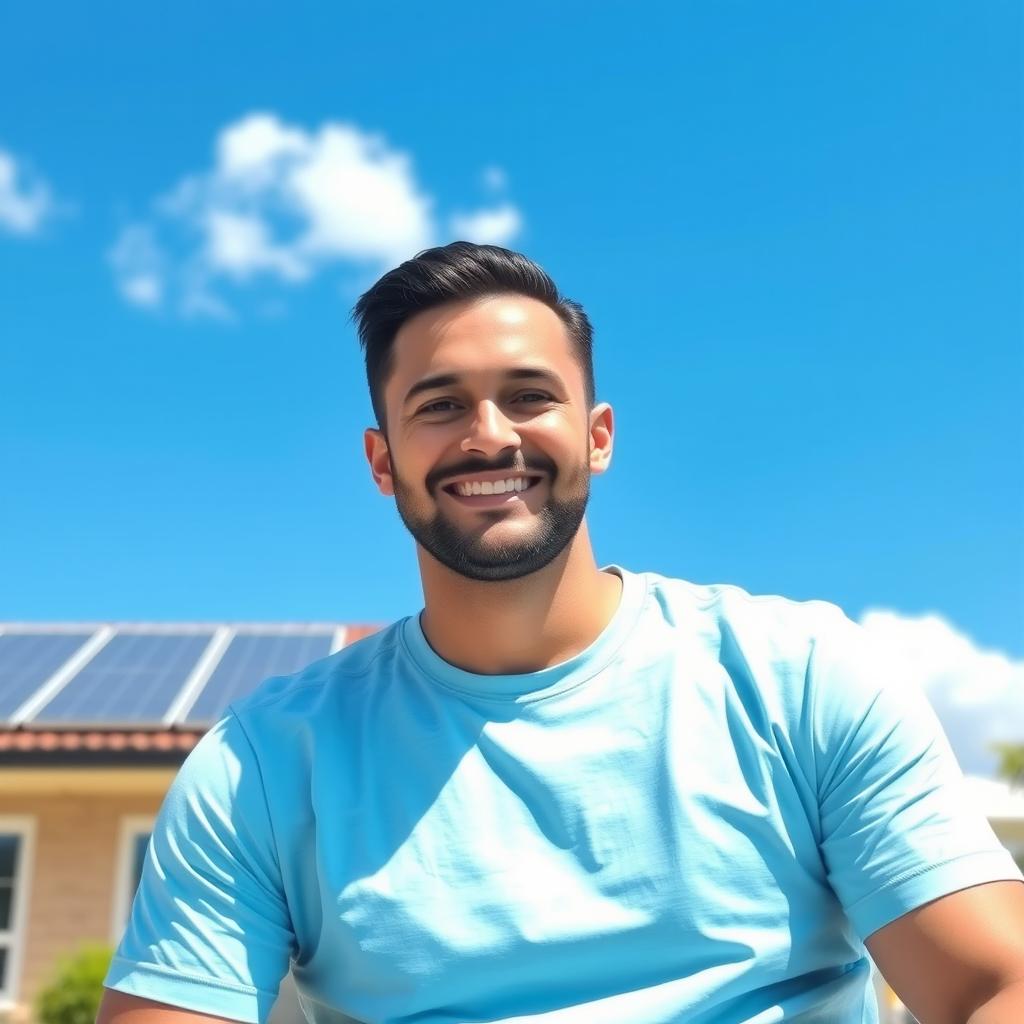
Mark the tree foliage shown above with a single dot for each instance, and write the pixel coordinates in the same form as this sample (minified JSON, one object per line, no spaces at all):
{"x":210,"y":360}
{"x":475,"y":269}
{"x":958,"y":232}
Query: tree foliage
{"x":74,"y":993}
{"x":1011,"y":762}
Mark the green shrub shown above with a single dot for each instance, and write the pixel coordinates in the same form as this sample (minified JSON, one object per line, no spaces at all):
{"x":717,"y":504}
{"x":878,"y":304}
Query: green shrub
{"x":74,"y":994}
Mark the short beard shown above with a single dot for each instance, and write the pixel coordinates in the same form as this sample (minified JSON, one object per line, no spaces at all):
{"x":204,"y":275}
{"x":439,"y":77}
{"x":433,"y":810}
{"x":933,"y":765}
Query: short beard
{"x":557,"y":523}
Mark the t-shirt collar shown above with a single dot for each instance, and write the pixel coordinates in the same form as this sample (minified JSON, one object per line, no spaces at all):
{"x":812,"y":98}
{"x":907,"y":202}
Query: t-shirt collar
{"x":546,"y":681}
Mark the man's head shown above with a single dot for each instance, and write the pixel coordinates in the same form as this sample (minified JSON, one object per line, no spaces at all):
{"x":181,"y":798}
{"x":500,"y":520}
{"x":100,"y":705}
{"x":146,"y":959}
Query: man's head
{"x":480,"y":373}
{"x":452,"y":273}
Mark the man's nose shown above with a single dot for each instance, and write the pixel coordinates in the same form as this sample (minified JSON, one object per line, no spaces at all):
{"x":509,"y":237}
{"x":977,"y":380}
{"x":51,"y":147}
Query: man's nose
{"x":491,"y":432}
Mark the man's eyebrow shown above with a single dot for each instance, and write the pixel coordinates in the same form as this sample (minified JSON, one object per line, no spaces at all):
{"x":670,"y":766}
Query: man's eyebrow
{"x":447,"y":380}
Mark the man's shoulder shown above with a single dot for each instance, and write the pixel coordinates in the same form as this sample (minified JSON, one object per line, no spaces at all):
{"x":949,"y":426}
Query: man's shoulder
{"x":731,"y":608}
{"x":795,"y":651}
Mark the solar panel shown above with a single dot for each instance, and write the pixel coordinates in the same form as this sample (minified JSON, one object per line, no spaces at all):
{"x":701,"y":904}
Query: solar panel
{"x":27,"y":661}
{"x":131,"y":681}
{"x":249,"y":659}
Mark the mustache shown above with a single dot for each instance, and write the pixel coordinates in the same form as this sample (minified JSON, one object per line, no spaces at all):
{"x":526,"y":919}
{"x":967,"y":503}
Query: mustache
{"x":471,"y":466}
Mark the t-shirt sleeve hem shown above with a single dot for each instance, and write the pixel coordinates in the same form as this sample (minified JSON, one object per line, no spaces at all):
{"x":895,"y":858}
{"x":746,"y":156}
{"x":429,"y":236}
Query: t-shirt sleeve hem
{"x":190,"y":992}
{"x":912,"y":891}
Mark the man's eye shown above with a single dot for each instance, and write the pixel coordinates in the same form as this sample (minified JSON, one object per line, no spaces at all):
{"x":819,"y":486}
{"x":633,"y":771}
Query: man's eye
{"x":436,"y":406}
{"x":446,"y":404}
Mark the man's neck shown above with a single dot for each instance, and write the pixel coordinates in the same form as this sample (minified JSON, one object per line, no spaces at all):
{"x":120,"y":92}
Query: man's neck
{"x":522,"y":625}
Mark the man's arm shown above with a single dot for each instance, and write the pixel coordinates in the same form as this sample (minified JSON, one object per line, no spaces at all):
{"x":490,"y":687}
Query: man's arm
{"x":118,"y":1008}
{"x":958,"y":959}
{"x":210,"y":928}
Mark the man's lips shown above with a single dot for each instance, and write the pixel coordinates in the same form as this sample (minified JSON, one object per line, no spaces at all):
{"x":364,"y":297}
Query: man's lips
{"x":491,"y":476}
{"x":491,"y":500}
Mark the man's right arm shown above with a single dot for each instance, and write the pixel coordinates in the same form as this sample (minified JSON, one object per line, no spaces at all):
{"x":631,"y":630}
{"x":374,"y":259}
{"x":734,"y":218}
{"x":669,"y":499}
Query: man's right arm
{"x":119,"y":1008}
{"x":210,"y":934}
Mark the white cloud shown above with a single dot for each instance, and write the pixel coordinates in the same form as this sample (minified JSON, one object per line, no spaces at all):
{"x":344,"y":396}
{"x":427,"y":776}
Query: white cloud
{"x":144,"y":290}
{"x":281,"y":203}
{"x":978,"y":694}
{"x":361,"y":200}
{"x":249,"y":150}
{"x":139,"y":266}
{"x":26,"y":201}
{"x":488,"y":227}
{"x":239,"y":245}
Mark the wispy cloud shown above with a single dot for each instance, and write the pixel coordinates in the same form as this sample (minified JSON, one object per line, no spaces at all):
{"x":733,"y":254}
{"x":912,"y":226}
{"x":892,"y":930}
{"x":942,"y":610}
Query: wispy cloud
{"x":279,"y":204}
{"x":139,"y":266}
{"x":494,"y":178}
{"x":978,"y":694}
{"x":26,"y":200}
{"x":495,"y":226}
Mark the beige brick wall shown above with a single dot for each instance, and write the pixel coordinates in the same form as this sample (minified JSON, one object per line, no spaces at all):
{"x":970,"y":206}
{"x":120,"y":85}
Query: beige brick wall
{"x":1011,"y":835}
{"x":71,"y":894}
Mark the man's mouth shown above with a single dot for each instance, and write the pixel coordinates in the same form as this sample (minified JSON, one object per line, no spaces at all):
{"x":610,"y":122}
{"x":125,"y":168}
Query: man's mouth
{"x":490,"y":493}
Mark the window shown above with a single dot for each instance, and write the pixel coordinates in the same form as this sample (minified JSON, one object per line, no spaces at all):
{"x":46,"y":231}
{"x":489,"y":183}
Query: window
{"x":15,"y":862}
{"x":131,"y":854}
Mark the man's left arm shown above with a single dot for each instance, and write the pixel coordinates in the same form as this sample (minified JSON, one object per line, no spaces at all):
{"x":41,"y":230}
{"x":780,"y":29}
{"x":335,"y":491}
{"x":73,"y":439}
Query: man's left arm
{"x":960,"y":958}
{"x":923,"y":878}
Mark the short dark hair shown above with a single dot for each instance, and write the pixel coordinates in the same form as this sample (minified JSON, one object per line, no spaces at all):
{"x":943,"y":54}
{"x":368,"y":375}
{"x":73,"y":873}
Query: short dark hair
{"x":449,"y":273}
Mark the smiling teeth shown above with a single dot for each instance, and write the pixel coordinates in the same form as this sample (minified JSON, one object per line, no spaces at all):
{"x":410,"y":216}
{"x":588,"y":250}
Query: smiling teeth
{"x":491,"y":487}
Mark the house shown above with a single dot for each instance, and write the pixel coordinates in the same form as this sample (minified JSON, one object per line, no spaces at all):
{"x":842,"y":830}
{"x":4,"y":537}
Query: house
{"x":95,"y":719}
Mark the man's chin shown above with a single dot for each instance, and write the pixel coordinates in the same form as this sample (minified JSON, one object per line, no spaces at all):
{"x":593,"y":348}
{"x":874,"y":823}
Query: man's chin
{"x":500,"y":556}
{"x":492,"y":558}
{"x":498,"y":572}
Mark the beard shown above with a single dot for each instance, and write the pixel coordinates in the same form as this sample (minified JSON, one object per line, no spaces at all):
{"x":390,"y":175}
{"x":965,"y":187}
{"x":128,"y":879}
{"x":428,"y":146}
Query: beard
{"x":470,"y":555}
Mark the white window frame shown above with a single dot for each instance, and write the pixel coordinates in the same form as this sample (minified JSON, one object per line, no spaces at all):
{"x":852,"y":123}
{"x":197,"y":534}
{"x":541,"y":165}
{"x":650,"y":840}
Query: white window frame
{"x":132,"y":826}
{"x":13,"y":938}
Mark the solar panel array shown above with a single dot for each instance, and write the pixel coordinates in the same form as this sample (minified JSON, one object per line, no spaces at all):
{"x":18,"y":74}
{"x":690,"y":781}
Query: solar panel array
{"x":138,"y":676}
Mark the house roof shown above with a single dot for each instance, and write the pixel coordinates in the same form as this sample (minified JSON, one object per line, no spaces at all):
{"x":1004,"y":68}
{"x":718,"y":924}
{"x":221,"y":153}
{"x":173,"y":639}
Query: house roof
{"x":97,"y":748}
{"x":97,"y":740}
{"x":134,"y":686}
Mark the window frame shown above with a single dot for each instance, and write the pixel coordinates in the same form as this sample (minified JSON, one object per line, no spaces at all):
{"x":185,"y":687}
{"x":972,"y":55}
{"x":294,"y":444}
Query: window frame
{"x":13,"y":938}
{"x":132,"y":826}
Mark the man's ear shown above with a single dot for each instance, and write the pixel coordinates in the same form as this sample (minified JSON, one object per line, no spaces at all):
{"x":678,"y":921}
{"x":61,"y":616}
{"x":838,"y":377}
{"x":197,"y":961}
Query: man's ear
{"x":602,"y":434}
{"x":379,"y":457}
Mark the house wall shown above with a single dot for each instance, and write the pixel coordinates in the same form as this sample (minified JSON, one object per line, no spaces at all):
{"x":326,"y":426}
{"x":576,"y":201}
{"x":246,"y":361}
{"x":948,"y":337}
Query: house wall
{"x":77,"y":835}
{"x":1010,"y":832}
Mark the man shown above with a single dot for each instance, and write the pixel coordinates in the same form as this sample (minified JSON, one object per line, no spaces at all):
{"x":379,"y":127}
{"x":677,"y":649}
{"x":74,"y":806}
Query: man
{"x":562,"y":793}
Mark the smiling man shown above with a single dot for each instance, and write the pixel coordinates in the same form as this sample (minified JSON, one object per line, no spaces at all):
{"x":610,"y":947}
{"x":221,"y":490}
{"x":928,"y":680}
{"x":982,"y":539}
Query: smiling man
{"x":562,"y":793}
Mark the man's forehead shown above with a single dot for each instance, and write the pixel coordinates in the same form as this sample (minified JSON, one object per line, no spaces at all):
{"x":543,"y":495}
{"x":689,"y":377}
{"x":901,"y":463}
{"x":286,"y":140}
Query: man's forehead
{"x":489,"y":335}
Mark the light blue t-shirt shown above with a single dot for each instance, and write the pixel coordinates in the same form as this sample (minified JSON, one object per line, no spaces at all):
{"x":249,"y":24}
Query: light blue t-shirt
{"x":697,"y":819}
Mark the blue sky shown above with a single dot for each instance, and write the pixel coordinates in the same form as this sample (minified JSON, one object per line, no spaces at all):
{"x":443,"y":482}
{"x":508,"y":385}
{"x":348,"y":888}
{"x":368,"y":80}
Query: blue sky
{"x":797,"y":229}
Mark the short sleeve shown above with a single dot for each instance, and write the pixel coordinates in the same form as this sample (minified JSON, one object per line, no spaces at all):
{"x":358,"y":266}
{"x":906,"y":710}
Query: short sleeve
{"x":209,"y":929}
{"x":897,"y":828}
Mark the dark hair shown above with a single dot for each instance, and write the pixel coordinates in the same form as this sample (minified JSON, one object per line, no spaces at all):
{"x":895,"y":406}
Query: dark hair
{"x":449,"y":273}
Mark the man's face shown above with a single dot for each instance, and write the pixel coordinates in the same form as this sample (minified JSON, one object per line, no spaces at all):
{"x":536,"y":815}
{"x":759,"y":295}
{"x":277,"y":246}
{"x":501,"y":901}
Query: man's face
{"x":483,"y":393}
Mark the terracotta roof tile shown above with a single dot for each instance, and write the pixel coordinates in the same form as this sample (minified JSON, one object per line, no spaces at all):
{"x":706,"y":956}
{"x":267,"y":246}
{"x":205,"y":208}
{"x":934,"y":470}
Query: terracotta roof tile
{"x":29,"y":740}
